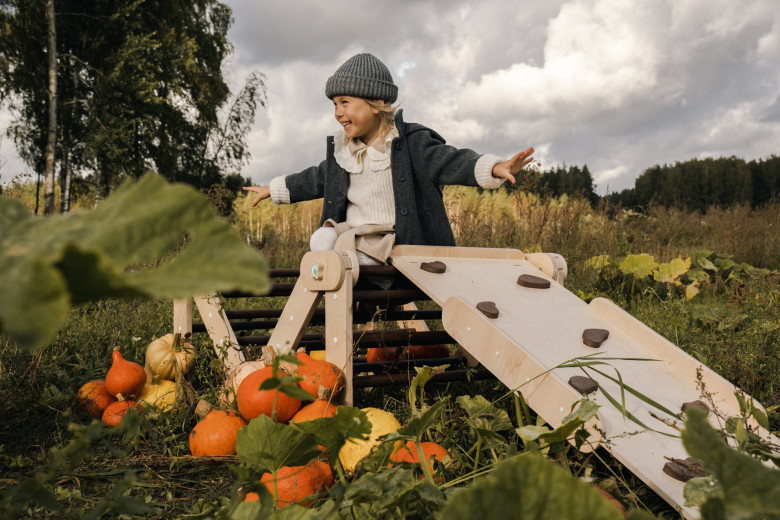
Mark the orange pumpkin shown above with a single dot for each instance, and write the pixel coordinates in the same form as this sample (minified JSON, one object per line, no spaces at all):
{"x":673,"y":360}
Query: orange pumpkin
{"x":409,"y":453}
{"x":215,"y":435}
{"x":234,"y":379}
{"x":253,"y":402}
{"x":318,"y":409}
{"x":94,"y":398}
{"x":381,"y":354}
{"x":124,"y":377}
{"x":319,"y":374}
{"x":426,"y":352}
{"x":115,"y":412}
{"x":298,"y":484}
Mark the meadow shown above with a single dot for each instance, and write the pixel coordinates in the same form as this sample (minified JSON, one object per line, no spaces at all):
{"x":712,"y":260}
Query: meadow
{"x":721,"y":306}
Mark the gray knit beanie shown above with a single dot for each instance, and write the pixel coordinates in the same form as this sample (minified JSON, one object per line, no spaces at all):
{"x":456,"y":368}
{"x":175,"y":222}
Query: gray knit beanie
{"x":364,"y":76}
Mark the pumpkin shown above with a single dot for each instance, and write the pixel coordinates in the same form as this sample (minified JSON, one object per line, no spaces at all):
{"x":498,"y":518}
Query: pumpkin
{"x":381,"y":354}
{"x":436,"y":351}
{"x":606,"y":494}
{"x":165,"y":353}
{"x":355,"y":450}
{"x":319,"y":355}
{"x":94,"y":398}
{"x":124,"y":378}
{"x":234,"y":379}
{"x":215,"y":435}
{"x":409,"y":453}
{"x":318,"y":409}
{"x":297,"y":484}
{"x":253,"y":402}
{"x":115,"y":412}
{"x":160,"y":393}
{"x":321,"y":379}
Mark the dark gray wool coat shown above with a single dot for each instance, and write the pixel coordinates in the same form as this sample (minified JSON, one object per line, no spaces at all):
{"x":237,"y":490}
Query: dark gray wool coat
{"x":421,"y":164}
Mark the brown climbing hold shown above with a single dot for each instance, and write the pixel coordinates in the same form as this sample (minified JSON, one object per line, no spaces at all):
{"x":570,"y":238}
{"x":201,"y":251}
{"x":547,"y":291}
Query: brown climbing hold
{"x":434,"y":267}
{"x":684,"y":469}
{"x":533,"y":282}
{"x":594,"y":337}
{"x":489,"y":309}
{"x":583,"y":385}
{"x":701,"y":405}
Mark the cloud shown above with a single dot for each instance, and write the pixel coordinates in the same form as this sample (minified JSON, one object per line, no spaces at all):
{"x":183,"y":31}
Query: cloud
{"x":617,"y":85}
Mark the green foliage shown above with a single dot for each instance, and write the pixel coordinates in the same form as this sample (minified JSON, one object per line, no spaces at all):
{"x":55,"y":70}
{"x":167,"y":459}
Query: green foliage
{"x":333,"y":432}
{"x":390,"y":494}
{"x":525,"y":487}
{"x":685,"y":275}
{"x":748,"y":489}
{"x":48,"y":264}
{"x":144,"y":92}
{"x":266,"y":445}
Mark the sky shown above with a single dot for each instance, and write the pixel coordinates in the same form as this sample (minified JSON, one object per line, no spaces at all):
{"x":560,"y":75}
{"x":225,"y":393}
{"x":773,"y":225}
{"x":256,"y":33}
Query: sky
{"x":616,"y":85}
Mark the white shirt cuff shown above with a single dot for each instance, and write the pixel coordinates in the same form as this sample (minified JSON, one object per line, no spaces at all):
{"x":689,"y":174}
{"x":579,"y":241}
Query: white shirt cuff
{"x":483,"y":171}
{"x":279,"y":192}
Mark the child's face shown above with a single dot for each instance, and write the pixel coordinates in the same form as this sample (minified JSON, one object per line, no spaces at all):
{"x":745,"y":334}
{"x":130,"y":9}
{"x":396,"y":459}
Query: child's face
{"x":357,"y":118}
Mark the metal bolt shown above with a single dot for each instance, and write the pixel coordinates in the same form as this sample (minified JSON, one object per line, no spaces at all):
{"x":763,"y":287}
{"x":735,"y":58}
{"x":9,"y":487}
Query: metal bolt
{"x":468,"y":329}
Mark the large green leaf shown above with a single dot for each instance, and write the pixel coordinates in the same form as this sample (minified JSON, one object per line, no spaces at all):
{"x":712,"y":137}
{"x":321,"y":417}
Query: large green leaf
{"x":49,"y":263}
{"x":389,"y":493}
{"x":529,"y":487}
{"x":267,"y":445}
{"x":638,"y":266}
{"x":750,"y":489}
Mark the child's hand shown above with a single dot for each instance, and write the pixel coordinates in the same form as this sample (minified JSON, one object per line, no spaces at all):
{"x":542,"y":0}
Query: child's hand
{"x":263,"y":192}
{"x":508,"y":169}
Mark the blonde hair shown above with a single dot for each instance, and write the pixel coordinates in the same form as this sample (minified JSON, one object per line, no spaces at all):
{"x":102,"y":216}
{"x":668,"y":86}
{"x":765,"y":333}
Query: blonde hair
{"x":386,"y":114}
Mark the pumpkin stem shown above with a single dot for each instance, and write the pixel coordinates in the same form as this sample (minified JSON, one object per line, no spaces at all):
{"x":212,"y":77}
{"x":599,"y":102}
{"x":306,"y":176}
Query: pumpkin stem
{"x":203,"y":408}
{"x":155,"y":379}
{"x":120,"y":397}
{"x":176,"y":346}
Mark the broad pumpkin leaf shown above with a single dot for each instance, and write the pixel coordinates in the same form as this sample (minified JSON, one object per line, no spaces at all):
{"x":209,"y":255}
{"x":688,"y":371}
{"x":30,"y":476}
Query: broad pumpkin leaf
{"x":385,"y":494}
{"x":597,"y":263}
{"x":267,"y":445}
{"x":529,"y":487}
{"x":749,"y":488}
{"x":672,"y":272}
{"x":638,"y":266}
{"x":333,"y":432}
{"x":491,"y":417}
{"x":49,"y":263}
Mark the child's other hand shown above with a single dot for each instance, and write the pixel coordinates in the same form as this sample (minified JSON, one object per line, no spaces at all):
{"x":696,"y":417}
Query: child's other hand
{"x":508,"y":169}
{"x":263,"y":192}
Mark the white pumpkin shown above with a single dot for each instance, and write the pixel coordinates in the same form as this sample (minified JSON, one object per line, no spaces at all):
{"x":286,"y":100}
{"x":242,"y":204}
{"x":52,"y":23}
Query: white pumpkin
{"x":234,"y":379}
{"x":165,"y":353}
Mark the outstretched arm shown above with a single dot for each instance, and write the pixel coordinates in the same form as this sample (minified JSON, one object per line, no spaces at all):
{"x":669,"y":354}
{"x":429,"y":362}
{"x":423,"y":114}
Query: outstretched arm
{"x":508,"y":169}
{"x":263,"y":192}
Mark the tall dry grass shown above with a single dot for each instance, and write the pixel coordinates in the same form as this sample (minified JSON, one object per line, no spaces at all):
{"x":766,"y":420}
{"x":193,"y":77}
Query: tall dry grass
{"x":568,"y":226}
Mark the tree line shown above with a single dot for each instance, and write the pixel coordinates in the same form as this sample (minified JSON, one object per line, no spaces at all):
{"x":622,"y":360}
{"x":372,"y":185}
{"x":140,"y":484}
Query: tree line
{"x":110,"y":90}
{"x":698,"y":184}
{"x":693,"y":185}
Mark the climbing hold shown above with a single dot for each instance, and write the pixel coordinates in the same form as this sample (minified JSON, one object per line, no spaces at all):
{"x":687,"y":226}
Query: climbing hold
{"x":533,"y":282}
{"x":594,"y":337}
{"x":684,"y":469}
{"x":435,"y":267}
{"x":583,"y":385}
{"x":489,"y":309}
{"x":696,"y":404}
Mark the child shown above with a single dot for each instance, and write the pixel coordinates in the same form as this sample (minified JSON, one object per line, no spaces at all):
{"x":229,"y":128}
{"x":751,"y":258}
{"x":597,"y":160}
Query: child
{"x":381,"y":181}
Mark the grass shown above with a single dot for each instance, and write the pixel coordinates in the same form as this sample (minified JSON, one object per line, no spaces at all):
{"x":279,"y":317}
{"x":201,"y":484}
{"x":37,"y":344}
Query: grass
{"x":732,"y":328}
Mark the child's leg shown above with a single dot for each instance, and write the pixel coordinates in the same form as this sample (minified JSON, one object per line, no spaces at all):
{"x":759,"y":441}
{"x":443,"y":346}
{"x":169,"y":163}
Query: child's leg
{"x":323,"y":239}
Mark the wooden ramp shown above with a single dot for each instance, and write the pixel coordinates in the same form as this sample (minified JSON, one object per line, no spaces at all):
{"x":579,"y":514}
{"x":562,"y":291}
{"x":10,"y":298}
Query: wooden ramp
{"x":536,"y":329}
